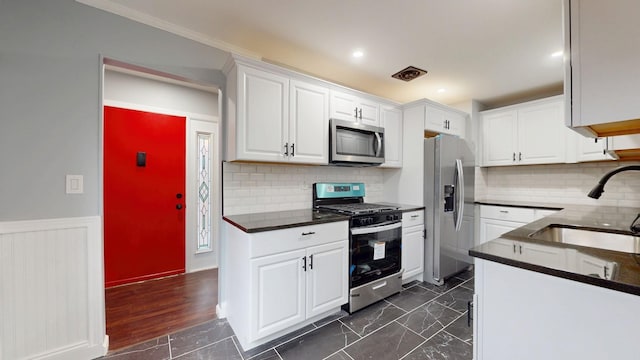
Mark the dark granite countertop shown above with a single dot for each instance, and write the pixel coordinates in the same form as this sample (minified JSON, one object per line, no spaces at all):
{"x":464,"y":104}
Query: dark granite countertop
{"x":522,"y":204}
{"x":276,"y":220}
{"x":403,"y":207}
{"x":623,"y":269}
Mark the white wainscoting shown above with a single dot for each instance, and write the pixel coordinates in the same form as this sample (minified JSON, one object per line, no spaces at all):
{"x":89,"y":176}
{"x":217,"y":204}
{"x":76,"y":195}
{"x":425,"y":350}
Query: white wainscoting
{"x":52,"y":289}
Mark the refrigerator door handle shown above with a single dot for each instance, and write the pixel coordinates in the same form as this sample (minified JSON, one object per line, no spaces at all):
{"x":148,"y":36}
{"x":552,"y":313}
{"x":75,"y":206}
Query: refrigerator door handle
{"x":459,"y":206}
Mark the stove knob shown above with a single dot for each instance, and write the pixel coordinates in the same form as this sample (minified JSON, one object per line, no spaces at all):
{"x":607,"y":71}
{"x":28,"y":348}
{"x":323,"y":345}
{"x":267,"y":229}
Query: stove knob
{"x":389,"y":217}
{"x":370,"y":221}
{"x":396,"y":217}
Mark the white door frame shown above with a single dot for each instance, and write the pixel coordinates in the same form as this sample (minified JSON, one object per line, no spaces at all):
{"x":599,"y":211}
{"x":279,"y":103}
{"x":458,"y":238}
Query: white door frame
{"x":195,"y":123}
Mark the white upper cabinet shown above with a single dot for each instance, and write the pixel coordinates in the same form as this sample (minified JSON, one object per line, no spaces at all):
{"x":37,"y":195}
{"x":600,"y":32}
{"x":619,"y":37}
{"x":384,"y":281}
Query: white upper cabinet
{"x":443,"y":121}
{"x":541,"y":133}
{"x":527,"y":133}
{"x":262,"y":114}
{"x":347,"y":106}
{"x":591,"y":149}
{"x":276,"y":118}
{"x":602,"y":74}
{"x":499,"y":136}
{"x":391,"y":121}
{"x":309,"y":123}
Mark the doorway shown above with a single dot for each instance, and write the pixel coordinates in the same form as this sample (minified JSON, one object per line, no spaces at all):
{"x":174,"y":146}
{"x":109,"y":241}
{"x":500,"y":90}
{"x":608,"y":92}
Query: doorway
{"x":198,"y":106}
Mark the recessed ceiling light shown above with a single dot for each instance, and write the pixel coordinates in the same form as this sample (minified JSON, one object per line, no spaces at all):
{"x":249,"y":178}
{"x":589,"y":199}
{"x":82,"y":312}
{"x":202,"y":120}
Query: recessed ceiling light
{"x":358,"y":54}
{"x":441,"y":90}
{"x":557,"y":53}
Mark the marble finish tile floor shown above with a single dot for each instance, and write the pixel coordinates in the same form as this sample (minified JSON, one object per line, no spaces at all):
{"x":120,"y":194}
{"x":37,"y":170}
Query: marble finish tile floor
{"x":421,"y":322}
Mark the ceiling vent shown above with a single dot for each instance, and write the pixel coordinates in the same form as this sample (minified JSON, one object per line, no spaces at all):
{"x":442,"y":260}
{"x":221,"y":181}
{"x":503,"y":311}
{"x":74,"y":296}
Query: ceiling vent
{"x":409,"y":73}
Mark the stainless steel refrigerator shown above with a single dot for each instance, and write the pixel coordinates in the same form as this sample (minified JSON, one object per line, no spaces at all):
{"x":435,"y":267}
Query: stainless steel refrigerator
{"x":449,"y":174}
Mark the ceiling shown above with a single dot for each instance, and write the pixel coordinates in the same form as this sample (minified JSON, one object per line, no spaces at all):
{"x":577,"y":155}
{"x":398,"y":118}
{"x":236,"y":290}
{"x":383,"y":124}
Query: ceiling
{"x":493,"y":51}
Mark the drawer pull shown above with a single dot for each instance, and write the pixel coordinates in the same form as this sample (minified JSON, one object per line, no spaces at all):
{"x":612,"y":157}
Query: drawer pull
{"x":308,"y":233}
{"x":504,"y":211}
{"x":414,"y":216}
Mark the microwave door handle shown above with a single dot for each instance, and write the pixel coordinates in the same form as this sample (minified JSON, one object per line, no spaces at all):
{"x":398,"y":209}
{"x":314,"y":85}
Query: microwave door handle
{"x":379,"y":142}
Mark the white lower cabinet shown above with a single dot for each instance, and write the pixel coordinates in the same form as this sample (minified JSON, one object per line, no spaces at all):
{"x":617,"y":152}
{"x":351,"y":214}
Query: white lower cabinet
{"x":526,"y":315}
{"x":278,"y":296}
{"x":278,"y":281}
{"x":497,"y":220}
{"x":412,"y":244}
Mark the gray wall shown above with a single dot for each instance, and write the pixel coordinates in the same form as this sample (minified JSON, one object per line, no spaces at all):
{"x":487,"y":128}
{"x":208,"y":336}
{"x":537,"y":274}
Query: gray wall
{"x":50,"y":71}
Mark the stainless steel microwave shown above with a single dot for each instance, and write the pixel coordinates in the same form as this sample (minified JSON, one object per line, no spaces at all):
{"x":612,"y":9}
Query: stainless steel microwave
{"x":353,"y":143}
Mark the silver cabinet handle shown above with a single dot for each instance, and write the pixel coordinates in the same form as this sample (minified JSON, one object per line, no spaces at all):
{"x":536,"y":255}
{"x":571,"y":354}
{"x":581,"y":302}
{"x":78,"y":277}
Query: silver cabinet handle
{"x":286,"y":149}
{"x":355,"y":111}
{"x":293,"y":149}
{"x":360,"y":113}
{"x":514,"y":156}
{"x":519,"y":156}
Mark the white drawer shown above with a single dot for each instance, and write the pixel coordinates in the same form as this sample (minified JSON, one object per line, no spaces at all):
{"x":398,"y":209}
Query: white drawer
{"x":277,"y":241}
{"x":524,"y":215}
{"x":412,"y":218}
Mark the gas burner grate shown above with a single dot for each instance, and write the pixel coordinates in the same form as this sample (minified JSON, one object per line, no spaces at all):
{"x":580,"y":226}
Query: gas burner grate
{"x":358,"y":208}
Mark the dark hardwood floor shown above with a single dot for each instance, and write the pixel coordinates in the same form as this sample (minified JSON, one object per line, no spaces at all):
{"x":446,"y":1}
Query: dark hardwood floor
{"x":146,"y":310}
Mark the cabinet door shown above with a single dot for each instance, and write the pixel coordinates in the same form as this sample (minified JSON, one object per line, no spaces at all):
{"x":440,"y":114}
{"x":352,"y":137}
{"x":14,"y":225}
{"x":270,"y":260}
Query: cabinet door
{"x":542,"y":255}
{"x":263,"y":115}
{"x":435,"y":120}
{"x":591,"y":149}
{"x":327,"y":277}
{"x":369,"y":112}
{"x":456,"y":123}
{"x":491,"y":229}
{"x":541,"y":133}
{"x":391,"y":120}
{"x":499,"y":138}
{"x":343,"y":106}
{"x":605,"y":76}
{"x":412,"y":251}
{"x":309,"y":123}
{"x":278,"y":292}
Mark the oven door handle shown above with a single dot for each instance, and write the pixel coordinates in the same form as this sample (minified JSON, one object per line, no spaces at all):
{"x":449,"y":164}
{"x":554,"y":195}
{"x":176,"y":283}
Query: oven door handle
{"x":375,"y":229}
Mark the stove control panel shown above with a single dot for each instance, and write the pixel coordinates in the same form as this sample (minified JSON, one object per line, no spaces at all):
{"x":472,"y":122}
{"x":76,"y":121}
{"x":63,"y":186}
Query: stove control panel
{"x":373,"y":219}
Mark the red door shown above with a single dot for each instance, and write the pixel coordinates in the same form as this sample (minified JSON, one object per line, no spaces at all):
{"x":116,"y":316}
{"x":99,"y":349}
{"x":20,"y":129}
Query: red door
{"x":144,"y":183}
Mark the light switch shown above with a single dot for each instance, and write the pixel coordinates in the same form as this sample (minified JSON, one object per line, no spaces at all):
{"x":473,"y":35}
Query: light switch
{"x":74,"y":184}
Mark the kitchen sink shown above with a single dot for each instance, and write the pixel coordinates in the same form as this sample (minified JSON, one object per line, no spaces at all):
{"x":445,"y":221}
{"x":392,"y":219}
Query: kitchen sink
{"x":593,"y":238}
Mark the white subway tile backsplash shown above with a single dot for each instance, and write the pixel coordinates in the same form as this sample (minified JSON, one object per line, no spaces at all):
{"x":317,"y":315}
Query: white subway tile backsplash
{"x":561,"y":183}
{"x":250,"y":188}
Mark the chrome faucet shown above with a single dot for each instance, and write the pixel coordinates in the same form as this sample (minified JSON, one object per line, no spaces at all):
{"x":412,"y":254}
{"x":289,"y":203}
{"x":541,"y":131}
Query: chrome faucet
{"x":597,"y":190}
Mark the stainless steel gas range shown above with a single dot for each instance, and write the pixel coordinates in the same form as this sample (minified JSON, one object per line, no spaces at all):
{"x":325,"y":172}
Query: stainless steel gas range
{"x":375,"y":242}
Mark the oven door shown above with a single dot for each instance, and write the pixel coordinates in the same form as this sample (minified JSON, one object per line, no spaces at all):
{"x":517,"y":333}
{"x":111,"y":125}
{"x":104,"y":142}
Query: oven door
{"x":375,"y":252}
{"x":356,"y":143}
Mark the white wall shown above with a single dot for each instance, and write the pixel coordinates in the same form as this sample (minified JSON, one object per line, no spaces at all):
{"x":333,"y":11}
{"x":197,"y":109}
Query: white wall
{"x":252,"y":188}
{"x":559,"y":184}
